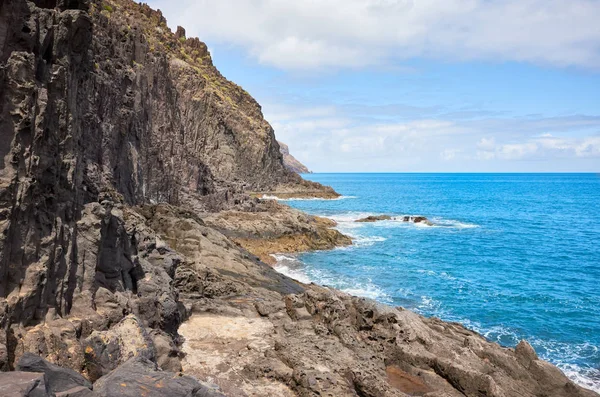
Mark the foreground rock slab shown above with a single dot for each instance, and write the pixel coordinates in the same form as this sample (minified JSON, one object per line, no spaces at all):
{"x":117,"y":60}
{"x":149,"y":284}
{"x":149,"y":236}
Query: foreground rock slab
{"x":57,"y":379}
{"x":141,"y":377}
{"x":23,"y":384}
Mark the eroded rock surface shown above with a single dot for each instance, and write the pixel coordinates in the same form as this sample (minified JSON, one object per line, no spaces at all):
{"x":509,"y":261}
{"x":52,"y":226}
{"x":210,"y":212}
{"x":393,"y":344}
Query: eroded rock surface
{"x":274,"y":228}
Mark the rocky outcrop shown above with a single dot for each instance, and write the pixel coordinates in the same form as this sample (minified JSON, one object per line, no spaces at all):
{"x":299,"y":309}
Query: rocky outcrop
{"x":274,"y":228}
{"x":290,"y":161}
{"x":140,"y":377}
{"x":324,"y":342}
{"x":374,"y":218}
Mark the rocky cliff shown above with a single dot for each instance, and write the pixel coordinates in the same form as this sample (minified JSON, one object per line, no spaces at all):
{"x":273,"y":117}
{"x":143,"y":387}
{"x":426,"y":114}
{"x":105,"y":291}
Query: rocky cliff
{"x":290,"y":162}
{"x":128,"y":167}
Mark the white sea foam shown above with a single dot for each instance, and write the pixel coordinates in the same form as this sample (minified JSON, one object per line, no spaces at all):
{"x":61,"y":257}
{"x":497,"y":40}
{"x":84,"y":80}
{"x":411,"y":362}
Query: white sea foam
{"x":368,"y":290}
{"x":292,"y":267}
{"x":584,"y":377}
{"x":271,"y":197}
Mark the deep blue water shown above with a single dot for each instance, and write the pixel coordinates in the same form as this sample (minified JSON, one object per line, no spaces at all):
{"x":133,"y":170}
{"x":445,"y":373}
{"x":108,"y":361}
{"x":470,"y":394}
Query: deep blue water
{"x":513,"y":256}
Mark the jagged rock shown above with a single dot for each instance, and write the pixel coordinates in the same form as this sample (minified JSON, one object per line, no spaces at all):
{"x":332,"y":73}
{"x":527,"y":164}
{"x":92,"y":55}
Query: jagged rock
{"x":57,"y":340}
{"x":106,"y":350}
{"x":290,"y":161}
{"x":417,"y":219}
{"x":168,"y":355}
{"x":374,"y":218}
{"x":57,"y":379}
{"x":109,"y":124}
{"x":140,"y":376}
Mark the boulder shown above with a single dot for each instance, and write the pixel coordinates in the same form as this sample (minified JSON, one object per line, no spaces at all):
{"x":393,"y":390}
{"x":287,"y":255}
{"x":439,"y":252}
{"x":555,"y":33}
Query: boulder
{"x":57,"y":379}
{"x":141,"y":377}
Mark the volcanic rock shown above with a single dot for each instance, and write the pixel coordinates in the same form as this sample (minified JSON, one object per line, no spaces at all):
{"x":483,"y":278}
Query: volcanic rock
{"x":375,"y":218}
{"x":290,"y":161}
{"x":57,"y":379}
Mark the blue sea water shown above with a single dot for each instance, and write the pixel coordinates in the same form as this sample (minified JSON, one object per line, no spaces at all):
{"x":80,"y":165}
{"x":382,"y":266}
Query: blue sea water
{"x":512,"y":256}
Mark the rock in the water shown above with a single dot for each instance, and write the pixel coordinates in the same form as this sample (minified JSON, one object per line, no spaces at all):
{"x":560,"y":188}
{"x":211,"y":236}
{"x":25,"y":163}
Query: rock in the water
{"x":57,"y":379}
{"x":140,"y":377}
{"x":23,"y":384}
{"x":417,"y":219}
{"x":374,"y":218}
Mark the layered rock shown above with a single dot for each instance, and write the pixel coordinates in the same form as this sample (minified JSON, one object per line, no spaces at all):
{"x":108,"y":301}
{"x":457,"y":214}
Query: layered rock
{"x":271,"y":228}
{"x":102,"y":107}
{"x":290,"y":161}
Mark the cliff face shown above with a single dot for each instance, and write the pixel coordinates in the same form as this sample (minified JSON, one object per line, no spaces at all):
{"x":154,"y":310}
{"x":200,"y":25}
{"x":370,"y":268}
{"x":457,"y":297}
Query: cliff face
{"x":102,"y":107}
{"x":290,"y":162}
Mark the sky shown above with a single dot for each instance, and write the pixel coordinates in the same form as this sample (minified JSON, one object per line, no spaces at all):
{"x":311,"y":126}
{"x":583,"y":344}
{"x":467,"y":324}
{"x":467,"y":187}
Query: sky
{"x":414,"y":85}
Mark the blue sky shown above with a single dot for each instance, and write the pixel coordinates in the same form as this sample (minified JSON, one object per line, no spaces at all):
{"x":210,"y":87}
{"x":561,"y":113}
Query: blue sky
{"x":415,"y":85}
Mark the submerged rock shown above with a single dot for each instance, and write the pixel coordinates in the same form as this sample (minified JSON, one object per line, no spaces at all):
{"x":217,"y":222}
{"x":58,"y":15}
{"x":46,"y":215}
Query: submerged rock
{"x":374,"y":218}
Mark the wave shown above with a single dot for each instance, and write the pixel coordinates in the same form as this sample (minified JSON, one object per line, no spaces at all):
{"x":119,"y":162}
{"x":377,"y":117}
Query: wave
{"x":271,"y":197}
{"x":292,"y":267}
{"x":351,"y":217}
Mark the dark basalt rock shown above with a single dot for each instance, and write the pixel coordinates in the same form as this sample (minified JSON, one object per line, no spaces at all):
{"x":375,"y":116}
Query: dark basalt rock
{"x":417,"y":219}
{"x":57,"y":379}
{"x":141,"y":377}
{"x":373,"y":218}
{"x":23,"y":384}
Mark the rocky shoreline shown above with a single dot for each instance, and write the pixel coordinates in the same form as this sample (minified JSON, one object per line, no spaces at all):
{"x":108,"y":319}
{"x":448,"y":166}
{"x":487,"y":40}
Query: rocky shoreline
{"x":131,"y":236}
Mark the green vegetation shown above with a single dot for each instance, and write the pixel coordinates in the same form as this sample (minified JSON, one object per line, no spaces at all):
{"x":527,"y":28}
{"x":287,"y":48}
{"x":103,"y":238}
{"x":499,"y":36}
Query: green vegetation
{"x":108,"y":8}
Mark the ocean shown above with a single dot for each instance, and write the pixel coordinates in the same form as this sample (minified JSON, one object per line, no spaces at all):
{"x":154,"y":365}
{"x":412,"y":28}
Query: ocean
{"x":512,"y":256}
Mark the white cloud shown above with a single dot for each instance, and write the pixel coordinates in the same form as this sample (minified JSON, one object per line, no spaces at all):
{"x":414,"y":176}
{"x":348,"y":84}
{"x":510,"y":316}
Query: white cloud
{"x":329,"y":138}
{"x":357,"y":33}
{"x":544,"y":146}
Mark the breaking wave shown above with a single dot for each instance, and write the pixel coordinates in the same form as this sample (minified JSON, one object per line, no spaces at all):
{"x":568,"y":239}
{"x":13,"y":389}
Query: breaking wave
{"x":271,"y":197}
{"x":291,"y":266}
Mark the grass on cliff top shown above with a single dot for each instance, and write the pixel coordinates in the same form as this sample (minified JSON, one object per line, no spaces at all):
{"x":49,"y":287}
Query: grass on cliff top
{"x":161,"y":40}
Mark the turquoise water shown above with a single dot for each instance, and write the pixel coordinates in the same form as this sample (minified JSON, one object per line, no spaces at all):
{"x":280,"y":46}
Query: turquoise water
{"x":513,"y":256}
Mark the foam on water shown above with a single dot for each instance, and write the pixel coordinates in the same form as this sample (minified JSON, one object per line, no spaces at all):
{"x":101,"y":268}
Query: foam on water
{"x":271,"y":197}
{"x":292,"y":267}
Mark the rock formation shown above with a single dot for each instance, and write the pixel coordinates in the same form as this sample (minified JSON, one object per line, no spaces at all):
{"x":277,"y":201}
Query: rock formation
{"x":129,"y":171}
{"x":290,"y":161}
{"x":374,"y":218}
